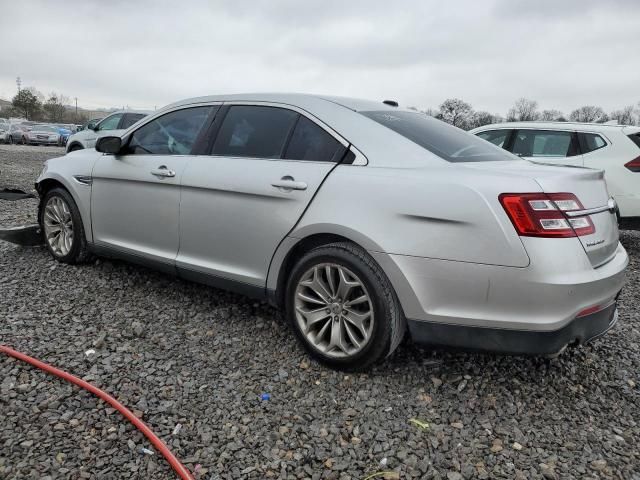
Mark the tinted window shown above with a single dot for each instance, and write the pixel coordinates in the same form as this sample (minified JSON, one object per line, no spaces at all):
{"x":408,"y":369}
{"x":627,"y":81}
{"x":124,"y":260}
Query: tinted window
{"x":310,"y":142}
{"x":110,"y":123}
{"x":171,"y":134}
{"x":635,"y":138}
{"x":544,"y":143}
{"x":590,"y":142}
{"x":497,"y":137}
{"x":448,"y":142}
{"x":129,"y":119}
{"x":250,"y":131}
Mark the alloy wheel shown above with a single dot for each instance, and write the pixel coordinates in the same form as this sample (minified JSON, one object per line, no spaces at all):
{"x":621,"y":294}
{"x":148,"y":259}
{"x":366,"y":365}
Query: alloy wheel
{"x":334,"y":310}
{"x":58,"y":226}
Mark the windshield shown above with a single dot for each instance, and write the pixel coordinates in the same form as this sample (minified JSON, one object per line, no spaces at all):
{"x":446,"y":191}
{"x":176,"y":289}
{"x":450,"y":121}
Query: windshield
{"x":444,"y":140}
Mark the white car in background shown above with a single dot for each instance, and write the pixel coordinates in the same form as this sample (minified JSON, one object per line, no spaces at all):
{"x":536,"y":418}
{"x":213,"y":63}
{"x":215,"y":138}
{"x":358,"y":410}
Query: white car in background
{"x":612,"y":148}
{"x":114,"y":124}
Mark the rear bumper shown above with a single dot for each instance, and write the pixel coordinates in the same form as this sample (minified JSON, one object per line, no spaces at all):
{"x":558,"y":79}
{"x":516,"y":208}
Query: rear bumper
{"x":523,"y":342}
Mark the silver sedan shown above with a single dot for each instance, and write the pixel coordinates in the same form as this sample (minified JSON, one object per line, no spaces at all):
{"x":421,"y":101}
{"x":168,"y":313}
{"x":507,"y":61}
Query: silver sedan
{"x":361,"y":220}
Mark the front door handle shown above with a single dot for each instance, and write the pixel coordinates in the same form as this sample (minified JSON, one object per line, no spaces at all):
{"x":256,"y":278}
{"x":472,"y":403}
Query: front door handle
{"x":288,"y":183}
{"x":163,"y":171}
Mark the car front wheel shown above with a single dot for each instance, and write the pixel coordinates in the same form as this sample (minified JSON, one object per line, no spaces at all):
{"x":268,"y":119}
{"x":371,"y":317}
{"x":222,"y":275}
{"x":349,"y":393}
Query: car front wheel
{"x":342,"y":307}
{"x":62,"y":226}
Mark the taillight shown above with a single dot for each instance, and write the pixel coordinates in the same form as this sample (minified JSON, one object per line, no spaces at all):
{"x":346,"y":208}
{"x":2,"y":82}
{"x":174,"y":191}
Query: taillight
{"x":542,"y":214}
{"x":633,"y":165}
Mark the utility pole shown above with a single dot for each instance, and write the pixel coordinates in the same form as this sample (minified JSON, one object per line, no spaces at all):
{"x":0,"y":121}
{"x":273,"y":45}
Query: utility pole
{"x":18,"y":83}
{"x":76,"y":109}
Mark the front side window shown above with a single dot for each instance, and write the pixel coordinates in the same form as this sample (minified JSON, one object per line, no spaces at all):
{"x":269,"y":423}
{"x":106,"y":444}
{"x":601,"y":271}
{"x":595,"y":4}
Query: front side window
{"x":110,"y":123}
{"x":171,"y":134}
{"x":440,"y":138}
{"x":129,"y":119}
{"x":544,"y":143}
{"x":254,"y":131}
{"x":497,"y":137}
{"x":590,"y":142}
{"x":310,"y":142}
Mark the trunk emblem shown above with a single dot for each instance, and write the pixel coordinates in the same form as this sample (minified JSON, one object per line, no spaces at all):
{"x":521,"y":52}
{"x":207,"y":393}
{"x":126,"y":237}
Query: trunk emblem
{"x":594,"y":243}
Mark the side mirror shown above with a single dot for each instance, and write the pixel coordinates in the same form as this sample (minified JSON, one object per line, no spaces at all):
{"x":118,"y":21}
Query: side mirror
{"x":110,"y":145}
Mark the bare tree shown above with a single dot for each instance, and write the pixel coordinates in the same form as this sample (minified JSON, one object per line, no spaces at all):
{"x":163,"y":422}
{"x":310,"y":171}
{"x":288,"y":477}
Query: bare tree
{"x":456,"y":112}
{"x":478,"y":119}
{"x":524,"y":110}
{"x":589,"y":114}
{"x":55,"y":107}
{"x":625,"y":116}
{"x":552,"y":116}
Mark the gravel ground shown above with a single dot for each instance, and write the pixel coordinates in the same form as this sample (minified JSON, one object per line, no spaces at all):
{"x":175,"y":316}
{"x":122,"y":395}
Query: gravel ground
{"x":184,"y":354}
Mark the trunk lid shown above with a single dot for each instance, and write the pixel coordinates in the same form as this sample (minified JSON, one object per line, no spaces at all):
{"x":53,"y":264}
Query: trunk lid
{"x":585,"y":183}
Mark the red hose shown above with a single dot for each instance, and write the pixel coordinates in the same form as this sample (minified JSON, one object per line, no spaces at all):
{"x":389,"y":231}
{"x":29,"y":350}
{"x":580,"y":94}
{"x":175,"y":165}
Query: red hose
{"x":180,"y":469}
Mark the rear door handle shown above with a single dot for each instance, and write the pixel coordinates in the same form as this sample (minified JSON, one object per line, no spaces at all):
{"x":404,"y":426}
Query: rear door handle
{"x":288,"y":183}
{"x":163,"y":171}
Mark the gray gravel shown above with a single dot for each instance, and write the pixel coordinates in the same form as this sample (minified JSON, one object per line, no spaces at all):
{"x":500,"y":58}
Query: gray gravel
{"x":184,"y":354}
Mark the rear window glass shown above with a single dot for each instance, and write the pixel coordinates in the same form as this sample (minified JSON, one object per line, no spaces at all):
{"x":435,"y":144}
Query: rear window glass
{"x":310,"y":142}
{"x":635,"y":138}
{"x":544,"y":143}
{"x":446,"y":141}
{"x":591,"y":142}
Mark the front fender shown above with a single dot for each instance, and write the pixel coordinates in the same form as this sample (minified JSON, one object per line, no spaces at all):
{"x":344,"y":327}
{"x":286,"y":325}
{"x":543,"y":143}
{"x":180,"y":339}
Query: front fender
{"x":80,"y":192}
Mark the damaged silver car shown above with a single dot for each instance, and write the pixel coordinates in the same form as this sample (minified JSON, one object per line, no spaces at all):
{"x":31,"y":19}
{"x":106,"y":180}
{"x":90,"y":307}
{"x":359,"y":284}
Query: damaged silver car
{"x":360,"y":219}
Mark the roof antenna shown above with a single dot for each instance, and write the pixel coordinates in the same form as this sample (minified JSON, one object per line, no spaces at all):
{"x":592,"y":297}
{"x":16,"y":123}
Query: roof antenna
{"x":391,"y":103}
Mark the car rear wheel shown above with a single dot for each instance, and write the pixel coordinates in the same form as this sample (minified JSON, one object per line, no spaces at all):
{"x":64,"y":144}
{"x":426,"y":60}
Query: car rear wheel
{"x":62,"y":226}
{"x":342,"y":307}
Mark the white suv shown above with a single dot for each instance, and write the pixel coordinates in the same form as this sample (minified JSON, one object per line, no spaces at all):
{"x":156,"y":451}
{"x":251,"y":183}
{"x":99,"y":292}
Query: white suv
{"x":114,"y":124}
{"x":612,"y":148}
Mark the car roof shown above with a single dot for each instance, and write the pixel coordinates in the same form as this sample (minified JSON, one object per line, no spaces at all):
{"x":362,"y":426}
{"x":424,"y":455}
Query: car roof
{"x":296,"y":99}
{"x":551,"y":125}
{"x":145,"y":112}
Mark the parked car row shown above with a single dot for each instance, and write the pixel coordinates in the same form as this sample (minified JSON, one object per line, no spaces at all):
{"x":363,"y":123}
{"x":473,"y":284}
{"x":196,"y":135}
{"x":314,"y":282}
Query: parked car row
{"x":360,"y":219}
{"x":31,"y":133}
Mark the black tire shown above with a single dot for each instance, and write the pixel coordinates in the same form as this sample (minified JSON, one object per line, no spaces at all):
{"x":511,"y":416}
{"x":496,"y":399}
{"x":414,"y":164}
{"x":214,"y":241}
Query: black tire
{"x":75,"y":147}
{"x":389,"y":325}
{"x":79,"y":251}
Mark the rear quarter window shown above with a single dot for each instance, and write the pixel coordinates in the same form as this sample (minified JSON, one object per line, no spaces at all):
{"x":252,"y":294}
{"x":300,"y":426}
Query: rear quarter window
{"x":590,"y":142}
{"x":635,"y":138}
{"x":440,"y":138}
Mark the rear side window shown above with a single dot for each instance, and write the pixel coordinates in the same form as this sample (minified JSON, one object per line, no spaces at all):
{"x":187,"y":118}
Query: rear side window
{"x":544,"y":143}
{"x":635,"y":138}
{"x":590,"y":142}
{"x":497,"y":137}
{"x":447,"y":142}
{"x":171,"y":134}
{"x":129,"y":119}
{"x":310,"y":142}
{"x":254,"y":131}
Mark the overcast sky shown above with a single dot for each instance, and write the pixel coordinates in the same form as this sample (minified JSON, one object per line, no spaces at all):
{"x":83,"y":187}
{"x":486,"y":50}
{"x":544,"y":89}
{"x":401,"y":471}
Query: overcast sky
{"x":562,"y":53}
